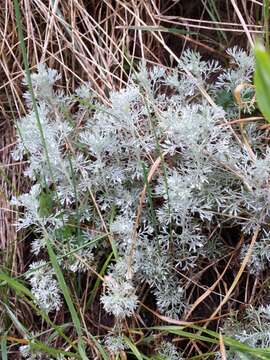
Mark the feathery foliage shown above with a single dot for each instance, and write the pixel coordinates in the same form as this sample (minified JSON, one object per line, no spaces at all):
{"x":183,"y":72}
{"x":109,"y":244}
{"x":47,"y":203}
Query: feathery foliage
{"x":211,"y":175}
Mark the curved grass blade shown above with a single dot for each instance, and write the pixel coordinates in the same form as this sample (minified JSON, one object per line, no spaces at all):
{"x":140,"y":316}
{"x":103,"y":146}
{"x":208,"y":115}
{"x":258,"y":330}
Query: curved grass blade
{"x":213,"y":337}
{"x":134,"y":349}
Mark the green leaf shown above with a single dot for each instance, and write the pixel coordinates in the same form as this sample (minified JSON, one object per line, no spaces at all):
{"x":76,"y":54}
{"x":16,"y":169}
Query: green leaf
{"x":262,"y":80}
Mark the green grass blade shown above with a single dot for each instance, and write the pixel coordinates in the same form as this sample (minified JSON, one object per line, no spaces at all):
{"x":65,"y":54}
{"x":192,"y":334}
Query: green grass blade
{"x":262,"y":80}
{"x":4,"y":347}
{"x":37,"y":345}
{"x":233,"y":343}
{"x":40,"y":312}
{"x":208,"y":355}
{"x":177,"y":330}
{"x":213,"y":337}
{"x":150,"y":207}
{"x":98,"y":280}
{"x":73,"y":180}
{"x":266,"y":4}
{"x":242,"y":356}
{"x":16,"y":285}
{"x":29,"y":81}
{"x":101,"y":237}
{"x":65,"y":291}
{"x":134,"y":349}
{"x":21,"y":289}
{"x":19,"y":326}
{"x":215,"y":16}
{"x":100,"y":348}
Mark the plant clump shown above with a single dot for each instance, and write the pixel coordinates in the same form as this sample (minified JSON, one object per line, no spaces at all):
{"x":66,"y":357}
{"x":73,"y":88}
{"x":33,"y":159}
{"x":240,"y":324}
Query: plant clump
{"x":154,"y":178}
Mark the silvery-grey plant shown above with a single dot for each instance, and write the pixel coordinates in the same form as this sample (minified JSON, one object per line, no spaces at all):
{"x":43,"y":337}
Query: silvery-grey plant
{"x":209,"y":177}
{"x":253,"y":330}
{"x":168,"y":351}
